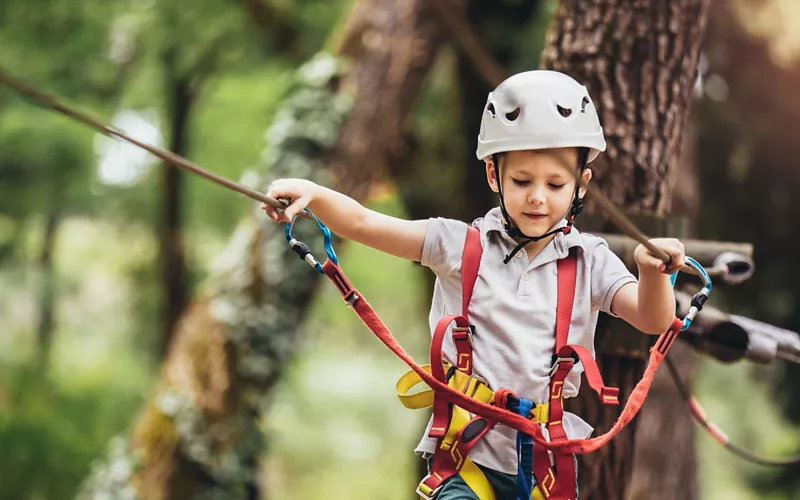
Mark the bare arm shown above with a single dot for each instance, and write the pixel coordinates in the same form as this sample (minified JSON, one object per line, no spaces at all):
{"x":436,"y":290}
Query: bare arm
{"x":649,"y":306}
{"x":349,"y":219}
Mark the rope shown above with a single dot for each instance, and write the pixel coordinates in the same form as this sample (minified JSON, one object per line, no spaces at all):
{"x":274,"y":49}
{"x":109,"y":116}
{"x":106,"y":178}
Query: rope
{"x":718,"y":434}
{"x":168,"y":156}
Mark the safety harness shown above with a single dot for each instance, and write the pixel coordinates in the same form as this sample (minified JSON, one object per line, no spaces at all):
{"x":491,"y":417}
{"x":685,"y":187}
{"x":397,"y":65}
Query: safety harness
{"x":456,"y":436}
{"x":465,"y":408}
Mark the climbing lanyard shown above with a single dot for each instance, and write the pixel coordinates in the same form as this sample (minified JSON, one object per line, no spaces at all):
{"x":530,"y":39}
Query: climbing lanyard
{"x":502,"y":415}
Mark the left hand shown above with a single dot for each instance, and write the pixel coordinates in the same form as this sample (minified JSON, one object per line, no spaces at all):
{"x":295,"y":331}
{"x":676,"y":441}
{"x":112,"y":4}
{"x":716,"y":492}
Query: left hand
{"x":649,"y":262}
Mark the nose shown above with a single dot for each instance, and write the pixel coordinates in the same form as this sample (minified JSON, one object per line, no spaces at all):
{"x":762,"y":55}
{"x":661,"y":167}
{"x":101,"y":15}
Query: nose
{"x":537,"y":195}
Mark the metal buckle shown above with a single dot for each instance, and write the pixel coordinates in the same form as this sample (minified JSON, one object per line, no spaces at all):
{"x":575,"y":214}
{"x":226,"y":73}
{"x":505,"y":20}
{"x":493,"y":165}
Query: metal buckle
{"x":468,"y":330}
{"x":478,"y":381}
{"x":425,"y":496}
{"x":351,"y":298}
{"x":558,"y":362}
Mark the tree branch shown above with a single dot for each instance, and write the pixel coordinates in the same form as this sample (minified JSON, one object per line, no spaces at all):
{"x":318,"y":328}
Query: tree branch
{"x":468,"y":40}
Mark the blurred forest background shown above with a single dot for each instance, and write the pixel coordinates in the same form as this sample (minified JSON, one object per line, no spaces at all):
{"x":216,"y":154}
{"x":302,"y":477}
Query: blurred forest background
{"x":103,"y":249}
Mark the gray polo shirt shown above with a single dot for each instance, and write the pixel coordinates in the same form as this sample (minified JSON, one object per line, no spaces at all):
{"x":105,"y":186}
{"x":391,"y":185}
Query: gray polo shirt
{"x":513,"y":309}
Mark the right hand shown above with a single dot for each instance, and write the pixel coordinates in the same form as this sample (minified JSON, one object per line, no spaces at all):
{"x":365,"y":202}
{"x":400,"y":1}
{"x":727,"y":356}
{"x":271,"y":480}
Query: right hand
{"x":299,"y":193}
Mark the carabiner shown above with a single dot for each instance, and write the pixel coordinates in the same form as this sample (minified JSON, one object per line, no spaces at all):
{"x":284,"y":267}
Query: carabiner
{"x":700,"y":297}
{"x":303,"y":251}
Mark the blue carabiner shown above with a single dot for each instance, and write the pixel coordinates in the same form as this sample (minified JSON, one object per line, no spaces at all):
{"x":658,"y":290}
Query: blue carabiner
{"x":700,"y":297}
{"x":303,"y":251}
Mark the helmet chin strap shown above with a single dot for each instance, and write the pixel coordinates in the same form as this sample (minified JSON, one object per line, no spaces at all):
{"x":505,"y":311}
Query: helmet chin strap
{"x":574,"y":211}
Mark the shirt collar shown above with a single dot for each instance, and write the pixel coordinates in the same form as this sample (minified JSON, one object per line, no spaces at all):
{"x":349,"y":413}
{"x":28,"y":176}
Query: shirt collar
{"x":558,"y":248}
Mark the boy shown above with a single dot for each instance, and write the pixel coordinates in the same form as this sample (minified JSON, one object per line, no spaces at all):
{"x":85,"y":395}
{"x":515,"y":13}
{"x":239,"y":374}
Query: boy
{"x":538,"y":133}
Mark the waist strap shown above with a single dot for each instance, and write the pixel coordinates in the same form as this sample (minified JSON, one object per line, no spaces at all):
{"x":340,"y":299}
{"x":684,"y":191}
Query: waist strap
{"x":470,"y":385}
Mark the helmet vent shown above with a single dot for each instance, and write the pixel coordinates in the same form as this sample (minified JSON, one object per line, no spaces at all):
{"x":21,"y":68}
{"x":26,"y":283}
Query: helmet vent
{"x":565,"y":112}
{"x":490,"y":108}
{"x":513,"y":115}
{"x":584,"y":102}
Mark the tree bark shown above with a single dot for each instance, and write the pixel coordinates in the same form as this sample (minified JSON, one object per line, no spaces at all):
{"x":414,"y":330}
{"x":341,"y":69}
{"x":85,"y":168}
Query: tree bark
{"x":638,"y":60}
{"x":198,"y":437}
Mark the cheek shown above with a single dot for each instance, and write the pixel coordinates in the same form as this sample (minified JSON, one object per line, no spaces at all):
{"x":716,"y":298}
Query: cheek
{"x":514,"y":194}
{"x":563,"y":198}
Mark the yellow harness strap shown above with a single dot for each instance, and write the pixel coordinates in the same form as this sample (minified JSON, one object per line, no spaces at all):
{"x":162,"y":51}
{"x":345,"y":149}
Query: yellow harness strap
{"x":472,"y":386}
{"x":476,"y":388}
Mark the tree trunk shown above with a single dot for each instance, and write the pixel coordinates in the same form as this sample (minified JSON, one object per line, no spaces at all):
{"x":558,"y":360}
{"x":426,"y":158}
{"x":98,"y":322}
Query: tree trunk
{"x":459,"y":190}
{"x":44,"y":328}
{"x":638,"y":60}
{"x":199,"y":435}
{"x":173,"y":261}
{"x":667,"y":472}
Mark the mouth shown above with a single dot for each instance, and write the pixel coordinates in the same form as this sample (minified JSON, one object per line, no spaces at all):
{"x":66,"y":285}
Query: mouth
{"x":534,"y":216}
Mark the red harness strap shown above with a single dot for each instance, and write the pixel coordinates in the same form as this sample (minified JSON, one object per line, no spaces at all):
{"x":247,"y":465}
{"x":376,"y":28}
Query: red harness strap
{"x":470,"y":263}
{"x":561,"y":485}
{"x":447,"y":464}
{"x":500,"y":414}
{"x":462,"y":332}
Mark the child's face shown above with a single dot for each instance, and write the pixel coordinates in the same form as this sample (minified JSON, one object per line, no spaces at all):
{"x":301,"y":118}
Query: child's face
{"x":538,"y":186}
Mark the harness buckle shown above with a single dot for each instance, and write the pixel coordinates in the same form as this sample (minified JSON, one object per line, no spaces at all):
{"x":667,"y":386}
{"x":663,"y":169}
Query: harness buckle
{"x":351,"y":298}
{"x":467,"y":385}
{"x":558,"y":361}
{"x":473,"y":384}
{"x":460,"y":332}
{"x":428,"y":494}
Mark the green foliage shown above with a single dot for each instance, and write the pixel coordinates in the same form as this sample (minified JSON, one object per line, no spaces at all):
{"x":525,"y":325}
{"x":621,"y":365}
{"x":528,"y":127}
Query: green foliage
{"x":335,"y":416}
{"x":227,"y":138}
{"x":50,"y":434}
{"x":105,"y":56}
{"x":43,"y":158}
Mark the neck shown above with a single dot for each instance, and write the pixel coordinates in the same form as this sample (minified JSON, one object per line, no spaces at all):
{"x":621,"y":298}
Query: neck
{"x":534,"y":248}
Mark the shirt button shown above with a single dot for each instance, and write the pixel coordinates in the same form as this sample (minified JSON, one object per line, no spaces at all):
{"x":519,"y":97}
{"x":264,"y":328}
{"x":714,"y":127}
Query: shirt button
{"x":519,"y":255}
{"x":525,"y":276}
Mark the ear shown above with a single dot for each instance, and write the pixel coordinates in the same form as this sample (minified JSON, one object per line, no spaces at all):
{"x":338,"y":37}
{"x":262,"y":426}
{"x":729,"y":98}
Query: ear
{"x":585,"y":178}
{"x":491,"y":178}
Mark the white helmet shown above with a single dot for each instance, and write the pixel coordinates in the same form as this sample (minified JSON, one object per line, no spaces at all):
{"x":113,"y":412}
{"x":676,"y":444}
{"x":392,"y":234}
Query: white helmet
{"x":537,"y":110}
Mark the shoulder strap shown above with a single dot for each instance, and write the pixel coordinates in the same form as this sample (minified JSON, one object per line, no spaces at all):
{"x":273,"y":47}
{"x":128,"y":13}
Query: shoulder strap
{"x":470,"y":262}
{"x":567,"y":274}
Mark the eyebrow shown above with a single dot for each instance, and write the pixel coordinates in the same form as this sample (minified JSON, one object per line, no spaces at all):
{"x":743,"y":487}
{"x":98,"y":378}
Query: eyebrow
{"x":525,"y":173}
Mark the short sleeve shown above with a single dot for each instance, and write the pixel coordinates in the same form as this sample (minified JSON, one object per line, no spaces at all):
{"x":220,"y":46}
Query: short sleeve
{"x":444,"y":245}
{"x":609,"y":274}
